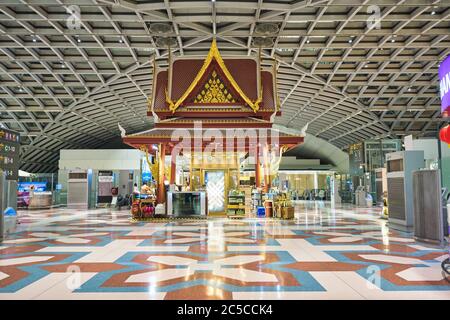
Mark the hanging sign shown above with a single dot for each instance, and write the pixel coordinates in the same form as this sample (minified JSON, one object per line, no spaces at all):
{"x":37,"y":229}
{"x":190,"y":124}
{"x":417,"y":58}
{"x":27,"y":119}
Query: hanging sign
{"x":444,"y":84}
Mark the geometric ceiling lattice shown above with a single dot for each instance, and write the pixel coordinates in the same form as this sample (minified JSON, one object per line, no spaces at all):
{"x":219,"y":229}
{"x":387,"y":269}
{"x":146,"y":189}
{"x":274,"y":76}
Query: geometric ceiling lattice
{"x":67,"y":82}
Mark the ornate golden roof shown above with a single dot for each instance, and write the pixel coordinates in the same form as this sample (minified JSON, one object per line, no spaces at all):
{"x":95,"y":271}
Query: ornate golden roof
{"x":213,"y":54}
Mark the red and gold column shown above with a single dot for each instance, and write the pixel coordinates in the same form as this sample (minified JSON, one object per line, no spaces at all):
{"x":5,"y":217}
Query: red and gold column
{"x":173,"y":167}
{"x":161,"y":196}
{"x":266,"y":168}
{"x":257,"y":169}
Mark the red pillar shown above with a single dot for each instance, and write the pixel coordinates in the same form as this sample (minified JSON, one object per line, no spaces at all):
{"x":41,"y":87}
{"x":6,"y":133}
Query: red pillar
{"x":173,"y":166}
{"x":257,"y":169}
{"x":161,"y":197}
{"x":266,"y":169}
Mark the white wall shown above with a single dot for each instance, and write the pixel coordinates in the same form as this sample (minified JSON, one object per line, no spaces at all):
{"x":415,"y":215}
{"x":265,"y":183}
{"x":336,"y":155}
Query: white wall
{"x":98,"y":159}
{"x":428,"y":146}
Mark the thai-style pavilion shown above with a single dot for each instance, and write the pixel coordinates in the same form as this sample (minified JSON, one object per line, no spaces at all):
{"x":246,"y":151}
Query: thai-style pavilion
{"x":196,"y":99}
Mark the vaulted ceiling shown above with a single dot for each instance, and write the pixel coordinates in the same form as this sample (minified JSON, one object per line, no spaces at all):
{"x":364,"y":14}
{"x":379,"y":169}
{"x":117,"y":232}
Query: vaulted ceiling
{"x":67,"y":82}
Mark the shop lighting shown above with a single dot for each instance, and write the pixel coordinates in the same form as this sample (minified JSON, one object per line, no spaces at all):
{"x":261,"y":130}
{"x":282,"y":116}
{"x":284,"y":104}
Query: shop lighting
{"x":154,"y":147}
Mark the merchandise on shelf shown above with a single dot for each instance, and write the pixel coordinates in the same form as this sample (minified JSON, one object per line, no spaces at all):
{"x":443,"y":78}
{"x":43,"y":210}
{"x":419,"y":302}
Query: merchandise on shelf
{"x":236,"y":203}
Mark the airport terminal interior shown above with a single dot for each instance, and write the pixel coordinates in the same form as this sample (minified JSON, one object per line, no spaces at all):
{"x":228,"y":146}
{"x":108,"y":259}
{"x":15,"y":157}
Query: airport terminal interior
{"x":224,"y":150}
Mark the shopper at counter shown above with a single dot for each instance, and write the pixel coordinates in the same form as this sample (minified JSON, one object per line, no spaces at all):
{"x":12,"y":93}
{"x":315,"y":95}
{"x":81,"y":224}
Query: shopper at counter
{"x":135,"y":189}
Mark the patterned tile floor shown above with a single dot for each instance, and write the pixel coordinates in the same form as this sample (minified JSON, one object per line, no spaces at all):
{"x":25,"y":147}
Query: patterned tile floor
{"x":324,"y":253}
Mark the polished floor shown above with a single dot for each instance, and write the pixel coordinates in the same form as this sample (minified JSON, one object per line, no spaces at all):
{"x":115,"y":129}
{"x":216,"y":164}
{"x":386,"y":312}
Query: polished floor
{"x":324,"y":253}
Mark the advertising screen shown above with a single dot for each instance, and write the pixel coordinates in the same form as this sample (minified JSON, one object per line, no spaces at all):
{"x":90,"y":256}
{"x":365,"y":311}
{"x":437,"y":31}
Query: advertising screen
{"x":38,"y":186}
{"x":444,"y":84}
{"x":9,"y":153}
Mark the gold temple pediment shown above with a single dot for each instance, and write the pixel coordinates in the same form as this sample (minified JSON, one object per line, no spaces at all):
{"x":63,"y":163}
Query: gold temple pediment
{"x":214,"y":90}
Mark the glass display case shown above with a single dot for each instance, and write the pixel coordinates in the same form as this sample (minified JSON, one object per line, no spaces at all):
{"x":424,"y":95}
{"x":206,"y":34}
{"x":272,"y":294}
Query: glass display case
{"x":186,"y":203}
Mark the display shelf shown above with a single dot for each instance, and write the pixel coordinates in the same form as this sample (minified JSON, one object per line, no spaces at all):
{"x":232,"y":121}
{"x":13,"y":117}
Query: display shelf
{"x":236,"y":203}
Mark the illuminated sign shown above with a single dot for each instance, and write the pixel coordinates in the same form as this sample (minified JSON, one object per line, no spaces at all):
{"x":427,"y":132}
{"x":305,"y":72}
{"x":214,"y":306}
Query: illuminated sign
{"x":444,"y":84}
{"x":9,"y":153}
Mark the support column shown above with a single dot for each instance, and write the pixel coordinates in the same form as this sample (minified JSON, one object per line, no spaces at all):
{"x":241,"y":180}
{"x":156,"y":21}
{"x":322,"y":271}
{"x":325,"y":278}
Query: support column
{"x":266,"y":168}
{"x":316,"y":181}
{"x":257,"y":169}
{"x":173,"y":167}
{"x":161,"y":196}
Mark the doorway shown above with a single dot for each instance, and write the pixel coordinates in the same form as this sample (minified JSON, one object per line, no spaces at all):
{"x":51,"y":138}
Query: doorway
{"x":215,"y":188}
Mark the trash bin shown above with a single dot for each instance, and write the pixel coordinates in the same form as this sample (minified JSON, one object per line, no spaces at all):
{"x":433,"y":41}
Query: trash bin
{"x":9,"y":221}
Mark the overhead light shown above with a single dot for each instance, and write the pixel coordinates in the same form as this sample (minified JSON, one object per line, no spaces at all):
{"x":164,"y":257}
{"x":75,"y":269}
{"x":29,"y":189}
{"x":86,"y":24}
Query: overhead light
{"x":350,"y":41}
{"x":34,"y":38}
{"x":20,"y":89}
{"x":120,"y":40}
{"x":433,"y":13}
{"x":393,"y":40}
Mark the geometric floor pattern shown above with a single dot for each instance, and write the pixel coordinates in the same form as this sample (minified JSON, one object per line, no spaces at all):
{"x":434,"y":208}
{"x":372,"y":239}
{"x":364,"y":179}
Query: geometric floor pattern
{"x":326,"y":252}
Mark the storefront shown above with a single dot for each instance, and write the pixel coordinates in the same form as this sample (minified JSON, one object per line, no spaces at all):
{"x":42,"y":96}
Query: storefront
{"x":210,"y":115}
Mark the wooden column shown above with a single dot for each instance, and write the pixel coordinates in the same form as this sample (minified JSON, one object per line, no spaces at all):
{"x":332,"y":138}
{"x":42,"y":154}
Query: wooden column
{"x":161,"y":196}
{"x":266,"y":169}
{"x":173,"y":167}
{"x":257,"y":169}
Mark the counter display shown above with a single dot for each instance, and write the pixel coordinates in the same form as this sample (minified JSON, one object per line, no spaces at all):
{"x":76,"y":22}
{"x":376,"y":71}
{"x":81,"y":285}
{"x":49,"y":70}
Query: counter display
{"x":143,"y":206}
{"x":186,"y":203}
{"x":40,"y":200}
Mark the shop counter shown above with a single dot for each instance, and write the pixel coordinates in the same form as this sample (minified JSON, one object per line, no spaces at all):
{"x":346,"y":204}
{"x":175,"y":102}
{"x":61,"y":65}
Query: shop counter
{"x":186,"y":203}
{"x":40,"y":200}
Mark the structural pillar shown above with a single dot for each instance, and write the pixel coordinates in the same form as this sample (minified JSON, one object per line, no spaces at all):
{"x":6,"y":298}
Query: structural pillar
{"x":161,"y":196}
{"x":257,"y":169}
{"x":173,"y":167}
{"x":266,"y":165}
